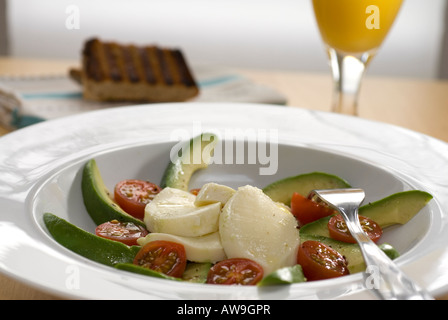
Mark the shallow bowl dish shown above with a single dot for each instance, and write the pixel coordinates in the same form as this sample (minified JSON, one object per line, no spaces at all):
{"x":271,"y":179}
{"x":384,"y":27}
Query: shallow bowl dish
{"x":41,"y":172}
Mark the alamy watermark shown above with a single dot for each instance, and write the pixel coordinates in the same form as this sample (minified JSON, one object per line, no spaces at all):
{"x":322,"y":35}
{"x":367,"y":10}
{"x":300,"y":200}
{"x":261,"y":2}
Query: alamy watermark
{"x":72,"y":21}
{"x":234,"y":146}
{"x":372,"y":277}
{"x":72,"y":281}
{"x":373,"y":20}
{"x":73,"y":18}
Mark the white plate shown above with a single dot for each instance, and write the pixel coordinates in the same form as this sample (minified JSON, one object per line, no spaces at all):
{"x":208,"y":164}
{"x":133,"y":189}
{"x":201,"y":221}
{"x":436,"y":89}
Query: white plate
{"x":40,"y":171}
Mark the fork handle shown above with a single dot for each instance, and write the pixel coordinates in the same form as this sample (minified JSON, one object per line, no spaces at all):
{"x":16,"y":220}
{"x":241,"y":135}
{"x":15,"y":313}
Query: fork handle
{"x":382,"y":275}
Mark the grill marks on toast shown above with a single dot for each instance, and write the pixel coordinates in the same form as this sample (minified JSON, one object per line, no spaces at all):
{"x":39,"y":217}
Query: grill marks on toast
{"x":150,"y":64}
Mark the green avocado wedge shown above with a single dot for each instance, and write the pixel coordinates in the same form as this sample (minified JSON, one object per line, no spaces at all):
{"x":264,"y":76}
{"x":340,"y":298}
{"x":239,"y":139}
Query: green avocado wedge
{"x":88,"y":245}
{"x":397,"y":208}
{"x":196,"y":272}
{"x":389,"y":250}
{"x":282,"y":190}
{"x":282,"y":276}
{"x":317,"y":228}
{"x":196,"y":154}
{"x":97,"y":198}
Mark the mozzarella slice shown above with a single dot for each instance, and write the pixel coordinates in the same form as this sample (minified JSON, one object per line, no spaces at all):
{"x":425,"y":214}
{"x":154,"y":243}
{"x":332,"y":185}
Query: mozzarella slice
{"x":173,"y":211}
{"x":214,"y":192}
{"x":253,"y":226}
{"x":206,"y":248}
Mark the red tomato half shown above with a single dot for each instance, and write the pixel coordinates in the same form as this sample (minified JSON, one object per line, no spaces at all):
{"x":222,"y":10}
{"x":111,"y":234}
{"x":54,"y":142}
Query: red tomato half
{"x":125,"y":232}
{"x":133,"y":195}
{"x":235,"y":271}
{"x":195,"y":191}
{"x":305,"y":210}
{"x":339,"y":231}
{"x":319,"y":261}
{"x":163,"y":256}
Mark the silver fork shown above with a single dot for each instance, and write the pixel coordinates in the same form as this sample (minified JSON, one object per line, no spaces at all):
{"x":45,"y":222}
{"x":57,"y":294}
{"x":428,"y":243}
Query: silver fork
{"x":382,"y":275}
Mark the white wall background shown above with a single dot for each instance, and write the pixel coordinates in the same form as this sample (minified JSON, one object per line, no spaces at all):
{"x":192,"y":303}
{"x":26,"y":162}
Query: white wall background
{"x":278,"y":34}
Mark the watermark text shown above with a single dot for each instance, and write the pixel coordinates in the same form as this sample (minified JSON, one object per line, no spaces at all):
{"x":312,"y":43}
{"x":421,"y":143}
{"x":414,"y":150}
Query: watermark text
{"x":234,"y":146}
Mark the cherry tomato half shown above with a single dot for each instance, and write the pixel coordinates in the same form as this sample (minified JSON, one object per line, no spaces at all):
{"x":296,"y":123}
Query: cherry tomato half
{"x":320,"y":261}
{"x":133,"y":195}
{"x":339,"y":231}
{"x":163,"y":256}
{"x":125,"y":232}
{"x":195,"y":191}
{"x":305,"y":210}
{"x":238,"y":271}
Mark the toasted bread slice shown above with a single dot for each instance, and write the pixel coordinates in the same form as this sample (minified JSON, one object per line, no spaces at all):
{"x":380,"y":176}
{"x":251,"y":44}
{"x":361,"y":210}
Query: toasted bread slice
{"x":115,"y":72}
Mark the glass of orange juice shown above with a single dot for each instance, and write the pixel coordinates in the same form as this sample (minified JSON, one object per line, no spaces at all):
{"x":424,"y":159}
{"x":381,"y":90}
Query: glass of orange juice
{"x":352,"y":31}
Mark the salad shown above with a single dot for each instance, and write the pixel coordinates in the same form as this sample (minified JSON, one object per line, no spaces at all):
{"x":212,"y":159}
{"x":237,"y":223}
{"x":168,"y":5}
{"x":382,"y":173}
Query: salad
{"x":220,"y":235}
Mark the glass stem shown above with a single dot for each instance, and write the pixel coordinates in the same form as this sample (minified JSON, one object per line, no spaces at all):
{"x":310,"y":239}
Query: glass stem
{"x":347,"y":71}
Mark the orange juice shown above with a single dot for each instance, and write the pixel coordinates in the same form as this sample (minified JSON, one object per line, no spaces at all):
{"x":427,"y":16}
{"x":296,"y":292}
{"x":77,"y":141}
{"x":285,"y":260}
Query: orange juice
{"x":355,"y":26}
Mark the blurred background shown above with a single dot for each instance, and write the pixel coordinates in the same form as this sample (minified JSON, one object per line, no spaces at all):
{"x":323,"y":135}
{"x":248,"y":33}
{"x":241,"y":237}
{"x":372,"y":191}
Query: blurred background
{"x":268,"y":34}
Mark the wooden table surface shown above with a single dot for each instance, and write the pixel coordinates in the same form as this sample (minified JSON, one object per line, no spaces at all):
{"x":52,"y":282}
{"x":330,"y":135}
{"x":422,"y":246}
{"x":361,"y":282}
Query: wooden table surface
{"x":417,"y":104}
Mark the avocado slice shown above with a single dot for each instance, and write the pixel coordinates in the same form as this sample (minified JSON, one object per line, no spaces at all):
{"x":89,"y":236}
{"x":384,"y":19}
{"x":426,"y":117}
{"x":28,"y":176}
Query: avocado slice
{"x":196,"y":272}
{"x":88,"y":245}
{"x":282,"y":190}
{"x":97,"y":198}
{"x":316,"y":228}
{"x":285,"y":275}
{"x":397,"y":208}
{"x":390,"y":251}
{"x":196,"y":154}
